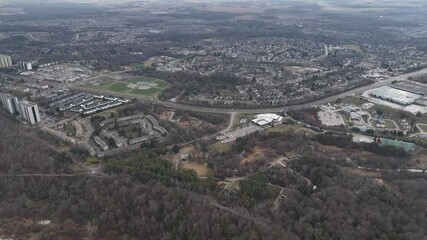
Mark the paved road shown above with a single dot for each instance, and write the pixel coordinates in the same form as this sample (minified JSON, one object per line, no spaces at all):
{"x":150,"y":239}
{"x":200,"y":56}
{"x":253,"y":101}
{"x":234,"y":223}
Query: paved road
{"x":230,"y":123}
{"x":407,"y":170}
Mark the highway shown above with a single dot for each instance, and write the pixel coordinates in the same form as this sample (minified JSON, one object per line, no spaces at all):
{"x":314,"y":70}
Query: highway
{"x":326,"y":100}
{"x":195,"y":108}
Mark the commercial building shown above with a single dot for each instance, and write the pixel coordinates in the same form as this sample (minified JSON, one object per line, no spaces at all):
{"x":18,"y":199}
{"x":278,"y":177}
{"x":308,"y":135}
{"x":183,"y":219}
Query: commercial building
{"x":412,"y":99}
{"x":10,"y":102}
{"x":29,"y":112}
{"x":25,"y":65}
{"x":394,"y":95}
{"x":267,"y":119}
{"x":5,"y":61}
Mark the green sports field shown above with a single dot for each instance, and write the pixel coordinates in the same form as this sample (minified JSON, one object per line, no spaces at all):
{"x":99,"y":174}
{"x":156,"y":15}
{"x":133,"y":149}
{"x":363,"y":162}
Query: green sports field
{"x":138,"y":86}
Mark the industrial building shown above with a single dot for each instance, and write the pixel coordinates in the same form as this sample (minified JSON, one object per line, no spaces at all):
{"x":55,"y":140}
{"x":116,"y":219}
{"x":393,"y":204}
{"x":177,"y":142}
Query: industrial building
{"x":408,"y":96}
{"x":29,"y":112}
{"x":25,"y":65}
{"x":412,"y":87}
{"x":395,"y":95}
{"x":10,"y":102}
{"x":5,"y":61}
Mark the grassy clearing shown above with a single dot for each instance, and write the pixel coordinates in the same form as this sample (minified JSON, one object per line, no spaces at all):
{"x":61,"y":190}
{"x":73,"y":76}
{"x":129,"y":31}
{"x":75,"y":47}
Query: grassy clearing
{"x":77,"y":168}
{"x":98,"y":86}
{"x":131,"y":134}
{"x":107,"y":114}
{"x":386,"y":111}
{"x":146,"y":92}
{"x":141,"y":79}
{"x":162,"y":84}
{"x":257,"y":153}
{"x":423,"y":127}
{"x":119,"y":87}
{"x":283,"y":128}
{"x":149,"y":62}
{"x":220,"y":147}
{"x":201,"y":169}
{"x":92,"y":161}
{"x":137,"y":66}
{"x":239,"y":117}
{"x":358,"y":101}
{"x":389,"y":124}
{"x":123,"y":86}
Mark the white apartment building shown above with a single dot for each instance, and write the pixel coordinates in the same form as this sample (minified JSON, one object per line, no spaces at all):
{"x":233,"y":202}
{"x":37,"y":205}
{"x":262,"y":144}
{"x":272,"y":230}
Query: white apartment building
{"x":29,"y":112}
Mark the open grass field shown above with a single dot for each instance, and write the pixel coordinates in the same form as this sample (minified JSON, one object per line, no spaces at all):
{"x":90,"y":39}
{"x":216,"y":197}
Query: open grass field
{"x":137,"y":66}
{"x":107,"y":114}
{"x":113,"y":111}
{"x":92,"y":161}
{"x":423,"y":127}
{"x":220,"y":147}
{"x":136,"y":86}
{"x":141,"y":79}
{"x":149,"y":62}
{"x":358,"y":101}
{"x":239,"y":117}
{"x":118,"y":87}
{"x":102,"y":85}
{"x":201,"y":169}
{"x":283,"y":128}
{"x":386,"y":111}
{"x":389,"y":124}
{"x":146,"y":92}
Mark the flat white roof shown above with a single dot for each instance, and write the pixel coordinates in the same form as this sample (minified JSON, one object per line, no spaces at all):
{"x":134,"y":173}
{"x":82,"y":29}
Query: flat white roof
{"x":412,"y":108}
{"x":261,"y":122}
{"x":27,"y":103}
{"x":267,"y":118}
{"x":395,"y":95}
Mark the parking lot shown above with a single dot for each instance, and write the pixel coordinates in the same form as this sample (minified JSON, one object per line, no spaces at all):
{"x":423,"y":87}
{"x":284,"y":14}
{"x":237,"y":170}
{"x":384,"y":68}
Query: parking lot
{"x":330,"y":118}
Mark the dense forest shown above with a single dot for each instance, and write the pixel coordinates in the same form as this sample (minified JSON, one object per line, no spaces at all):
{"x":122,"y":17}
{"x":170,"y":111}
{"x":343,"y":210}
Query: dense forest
{"x":144,"y":197}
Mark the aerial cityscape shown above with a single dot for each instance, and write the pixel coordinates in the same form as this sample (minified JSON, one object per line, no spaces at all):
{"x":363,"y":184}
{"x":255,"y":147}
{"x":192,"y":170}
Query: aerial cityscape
{"x":276,"y":119}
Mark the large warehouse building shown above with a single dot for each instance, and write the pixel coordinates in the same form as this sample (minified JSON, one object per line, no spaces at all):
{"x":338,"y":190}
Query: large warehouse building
{"x":395,"y":95}
{"x":408,"y":96}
